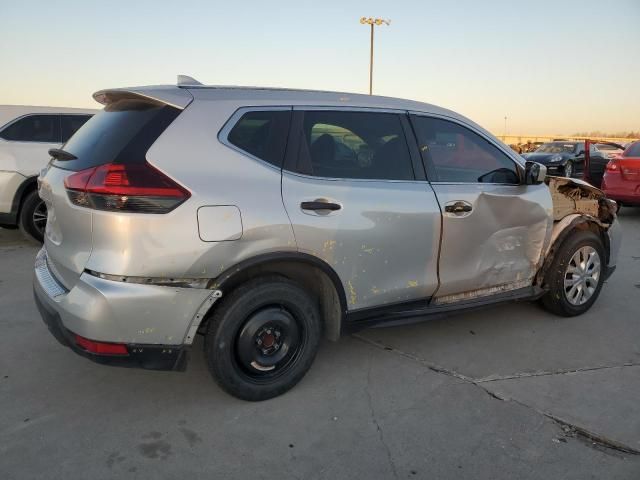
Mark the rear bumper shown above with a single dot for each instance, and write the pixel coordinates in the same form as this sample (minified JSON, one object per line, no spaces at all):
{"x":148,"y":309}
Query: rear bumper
{"x":151,"y":320}
{"x":152,"y":357}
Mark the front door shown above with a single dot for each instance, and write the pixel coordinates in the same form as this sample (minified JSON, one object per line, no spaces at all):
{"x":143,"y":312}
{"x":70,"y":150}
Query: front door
{"x":494,"y":229}
{"x":350,"y":189}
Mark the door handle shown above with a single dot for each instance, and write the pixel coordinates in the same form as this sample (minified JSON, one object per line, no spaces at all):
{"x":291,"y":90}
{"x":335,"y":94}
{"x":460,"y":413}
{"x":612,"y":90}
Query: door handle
{"x":320,"y":205}
{"x":457,"y":208}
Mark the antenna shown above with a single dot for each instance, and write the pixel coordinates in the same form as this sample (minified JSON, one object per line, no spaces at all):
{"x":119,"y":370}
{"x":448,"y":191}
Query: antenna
{"x":187,"y":81}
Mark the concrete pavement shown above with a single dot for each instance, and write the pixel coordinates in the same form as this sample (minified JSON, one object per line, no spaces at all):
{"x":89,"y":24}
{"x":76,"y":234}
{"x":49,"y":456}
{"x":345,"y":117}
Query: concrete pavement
{"x":506,"y":392}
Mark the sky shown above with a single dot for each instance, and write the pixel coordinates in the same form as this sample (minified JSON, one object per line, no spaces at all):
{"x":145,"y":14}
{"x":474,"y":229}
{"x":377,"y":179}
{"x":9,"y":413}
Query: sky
{"x":550,"y":67}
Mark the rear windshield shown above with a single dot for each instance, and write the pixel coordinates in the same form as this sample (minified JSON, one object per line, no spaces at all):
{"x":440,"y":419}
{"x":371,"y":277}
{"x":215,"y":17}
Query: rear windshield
{"x":121,"y":133}
{"x":633,"y":150}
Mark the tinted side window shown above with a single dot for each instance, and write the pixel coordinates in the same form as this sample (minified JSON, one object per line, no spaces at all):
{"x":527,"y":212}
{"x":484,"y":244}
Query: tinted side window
{"x":456,"y":154}
{"x":263,"y":134}
{"x":34,"y":128}
{"x":359,"y":145}
{"x":70,"y":123}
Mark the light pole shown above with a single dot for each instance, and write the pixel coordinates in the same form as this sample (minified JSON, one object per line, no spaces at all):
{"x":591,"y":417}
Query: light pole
{"x":372,"y":22}
{"x":504,"y":138}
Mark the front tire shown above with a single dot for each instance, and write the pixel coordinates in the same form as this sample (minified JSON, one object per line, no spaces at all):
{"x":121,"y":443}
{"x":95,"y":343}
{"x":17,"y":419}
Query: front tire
{"x":33,"y":216}
{"x":575,"y":277}
{"x":568,"y":169}
{"x":263,"y":338}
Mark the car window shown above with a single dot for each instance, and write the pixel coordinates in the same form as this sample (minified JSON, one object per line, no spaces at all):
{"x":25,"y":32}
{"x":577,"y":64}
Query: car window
{"x":633,"y":150}
{"x":69,"y":124}
{"x":263,"y":134}
{"x":354,"y":145}
{"x":34,"y":128}
{"x":456,"y":154}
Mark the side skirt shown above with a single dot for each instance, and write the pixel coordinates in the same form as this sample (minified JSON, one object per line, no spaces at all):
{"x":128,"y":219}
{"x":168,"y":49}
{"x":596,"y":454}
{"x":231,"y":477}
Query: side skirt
{"x":422,"y":310}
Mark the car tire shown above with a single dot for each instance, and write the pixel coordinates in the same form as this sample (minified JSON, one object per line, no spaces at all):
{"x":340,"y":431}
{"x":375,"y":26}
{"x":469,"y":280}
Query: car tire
{"x":576,"y":274}
{"x":33,"y":217}
{"x":263,"y":338}
{"x":568,"y":169}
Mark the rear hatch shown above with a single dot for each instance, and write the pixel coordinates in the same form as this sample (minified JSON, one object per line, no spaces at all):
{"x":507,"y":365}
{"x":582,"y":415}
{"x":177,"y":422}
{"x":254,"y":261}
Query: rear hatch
{"x":103,"y":167}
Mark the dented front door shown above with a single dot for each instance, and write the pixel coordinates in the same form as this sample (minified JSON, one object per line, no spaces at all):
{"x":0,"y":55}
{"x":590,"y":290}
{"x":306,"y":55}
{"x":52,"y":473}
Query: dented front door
{"x":498,"y":239}
{"x":494,"y":228}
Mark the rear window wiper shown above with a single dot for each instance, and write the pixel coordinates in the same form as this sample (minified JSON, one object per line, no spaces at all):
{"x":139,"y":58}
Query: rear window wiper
{"x":60,"y":154}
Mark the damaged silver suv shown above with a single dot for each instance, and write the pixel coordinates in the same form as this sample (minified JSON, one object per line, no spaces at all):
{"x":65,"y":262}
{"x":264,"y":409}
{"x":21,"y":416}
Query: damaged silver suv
{"x":265,"y":219}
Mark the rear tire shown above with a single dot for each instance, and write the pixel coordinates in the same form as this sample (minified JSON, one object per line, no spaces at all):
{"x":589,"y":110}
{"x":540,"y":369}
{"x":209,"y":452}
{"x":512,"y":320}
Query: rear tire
{"x":263,"y":338}
{"x":575,"y":276}
{"x":33,"y":217}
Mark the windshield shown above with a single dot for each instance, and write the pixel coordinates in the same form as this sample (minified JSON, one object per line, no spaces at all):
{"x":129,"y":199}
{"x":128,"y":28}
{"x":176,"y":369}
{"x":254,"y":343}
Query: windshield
{"x":557,"y":147}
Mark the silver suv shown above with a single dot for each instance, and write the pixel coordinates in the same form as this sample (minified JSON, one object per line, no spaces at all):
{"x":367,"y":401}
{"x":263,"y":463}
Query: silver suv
{"x":264,"y":219}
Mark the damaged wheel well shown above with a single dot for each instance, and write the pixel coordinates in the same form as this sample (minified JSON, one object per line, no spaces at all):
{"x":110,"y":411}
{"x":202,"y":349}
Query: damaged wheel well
{"x":317,"y":279}
{"x":574,"y":223}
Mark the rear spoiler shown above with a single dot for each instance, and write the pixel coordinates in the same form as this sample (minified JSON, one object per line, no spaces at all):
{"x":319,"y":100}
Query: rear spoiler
{"x":161,"y":94}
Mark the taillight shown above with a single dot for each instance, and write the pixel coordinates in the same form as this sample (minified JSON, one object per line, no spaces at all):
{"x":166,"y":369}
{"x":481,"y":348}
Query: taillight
{"x":138,"y":188}
{"x":101,"y":348}
{"x":613,"y":167}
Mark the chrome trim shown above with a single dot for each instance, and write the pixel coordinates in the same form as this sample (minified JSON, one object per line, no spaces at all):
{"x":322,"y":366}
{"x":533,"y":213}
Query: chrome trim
{"x":346,"y":108}
{"x":45,"y":277}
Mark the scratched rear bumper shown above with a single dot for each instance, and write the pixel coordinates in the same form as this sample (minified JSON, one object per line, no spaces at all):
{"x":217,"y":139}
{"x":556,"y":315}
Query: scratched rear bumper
{"x":119,"y":312}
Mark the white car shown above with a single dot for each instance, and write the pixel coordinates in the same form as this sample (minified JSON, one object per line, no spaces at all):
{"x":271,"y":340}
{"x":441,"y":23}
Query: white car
{"x":26,"y":135}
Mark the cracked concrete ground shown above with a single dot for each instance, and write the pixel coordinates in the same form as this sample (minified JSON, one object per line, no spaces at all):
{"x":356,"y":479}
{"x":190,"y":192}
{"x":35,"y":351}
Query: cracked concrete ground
{"x":507,"y":392}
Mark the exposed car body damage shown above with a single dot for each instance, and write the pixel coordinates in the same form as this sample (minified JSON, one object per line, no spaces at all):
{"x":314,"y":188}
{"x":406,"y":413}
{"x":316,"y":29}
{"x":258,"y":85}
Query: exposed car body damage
{"x":528,"y":249}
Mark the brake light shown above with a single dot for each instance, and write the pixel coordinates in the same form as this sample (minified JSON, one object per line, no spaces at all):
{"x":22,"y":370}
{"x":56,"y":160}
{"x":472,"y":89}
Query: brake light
{"x":612,"y":167}
{"x":101,"y":348}
{"x":138,"y":188}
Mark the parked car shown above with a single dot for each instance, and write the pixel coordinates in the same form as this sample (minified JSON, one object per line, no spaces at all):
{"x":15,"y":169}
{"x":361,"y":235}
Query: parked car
{"x":26,"y":134}
{"x":266,"y":218}
{"x":566,"y":159}
{"x":621,"y":180}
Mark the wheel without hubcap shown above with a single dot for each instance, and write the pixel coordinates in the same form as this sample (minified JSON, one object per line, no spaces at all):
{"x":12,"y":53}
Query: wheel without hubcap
{"x":262,"y":338}
{"x":268,"y":344}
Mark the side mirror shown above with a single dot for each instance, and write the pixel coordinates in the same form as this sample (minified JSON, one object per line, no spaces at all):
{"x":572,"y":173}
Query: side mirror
{"x":534,"y":173}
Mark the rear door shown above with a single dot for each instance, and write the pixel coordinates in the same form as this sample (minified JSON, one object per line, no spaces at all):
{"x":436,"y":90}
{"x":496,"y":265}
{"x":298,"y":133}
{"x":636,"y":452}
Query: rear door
{"x":493,"y":229}
{"x":357,"y":199}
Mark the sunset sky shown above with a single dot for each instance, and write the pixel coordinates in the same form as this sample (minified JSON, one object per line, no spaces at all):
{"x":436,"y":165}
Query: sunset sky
{"x":549,"y":66}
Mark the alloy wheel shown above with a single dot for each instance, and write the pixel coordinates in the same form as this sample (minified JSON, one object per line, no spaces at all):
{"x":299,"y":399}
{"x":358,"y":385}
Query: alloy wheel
{"x":582,"y":276}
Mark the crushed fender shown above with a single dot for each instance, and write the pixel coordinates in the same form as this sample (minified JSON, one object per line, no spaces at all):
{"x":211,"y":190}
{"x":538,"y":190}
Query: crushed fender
{"x":573,"y":196}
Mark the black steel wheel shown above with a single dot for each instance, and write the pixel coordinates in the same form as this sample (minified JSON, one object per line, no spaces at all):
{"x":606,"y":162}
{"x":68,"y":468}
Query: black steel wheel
{"x":263,"y":338}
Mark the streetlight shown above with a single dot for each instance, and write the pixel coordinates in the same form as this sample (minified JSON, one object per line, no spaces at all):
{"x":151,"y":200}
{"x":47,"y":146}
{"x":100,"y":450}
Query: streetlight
{"x":504,"y":138}
{"x":372,"y":22}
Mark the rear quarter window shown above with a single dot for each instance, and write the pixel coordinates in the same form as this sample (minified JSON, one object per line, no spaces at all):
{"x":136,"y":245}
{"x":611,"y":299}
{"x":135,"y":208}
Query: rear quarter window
{"x":262,"y":134}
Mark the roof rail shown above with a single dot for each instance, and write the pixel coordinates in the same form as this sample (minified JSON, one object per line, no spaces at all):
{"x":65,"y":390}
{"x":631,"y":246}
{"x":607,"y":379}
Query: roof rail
{"x":187,"y":81}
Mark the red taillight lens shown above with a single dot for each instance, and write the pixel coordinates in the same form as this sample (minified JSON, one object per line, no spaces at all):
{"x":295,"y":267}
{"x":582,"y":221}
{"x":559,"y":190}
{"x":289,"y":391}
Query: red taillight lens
{"x":137,"y":188}
{"x":612,"y":167}
{"x":101,"y":348}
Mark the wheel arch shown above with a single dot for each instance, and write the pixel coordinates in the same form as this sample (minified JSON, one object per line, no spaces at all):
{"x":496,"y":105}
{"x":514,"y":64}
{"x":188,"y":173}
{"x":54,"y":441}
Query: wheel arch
{"x":315,"y":275}
{"x":562,"y":230}
{"x":30,"y":183}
